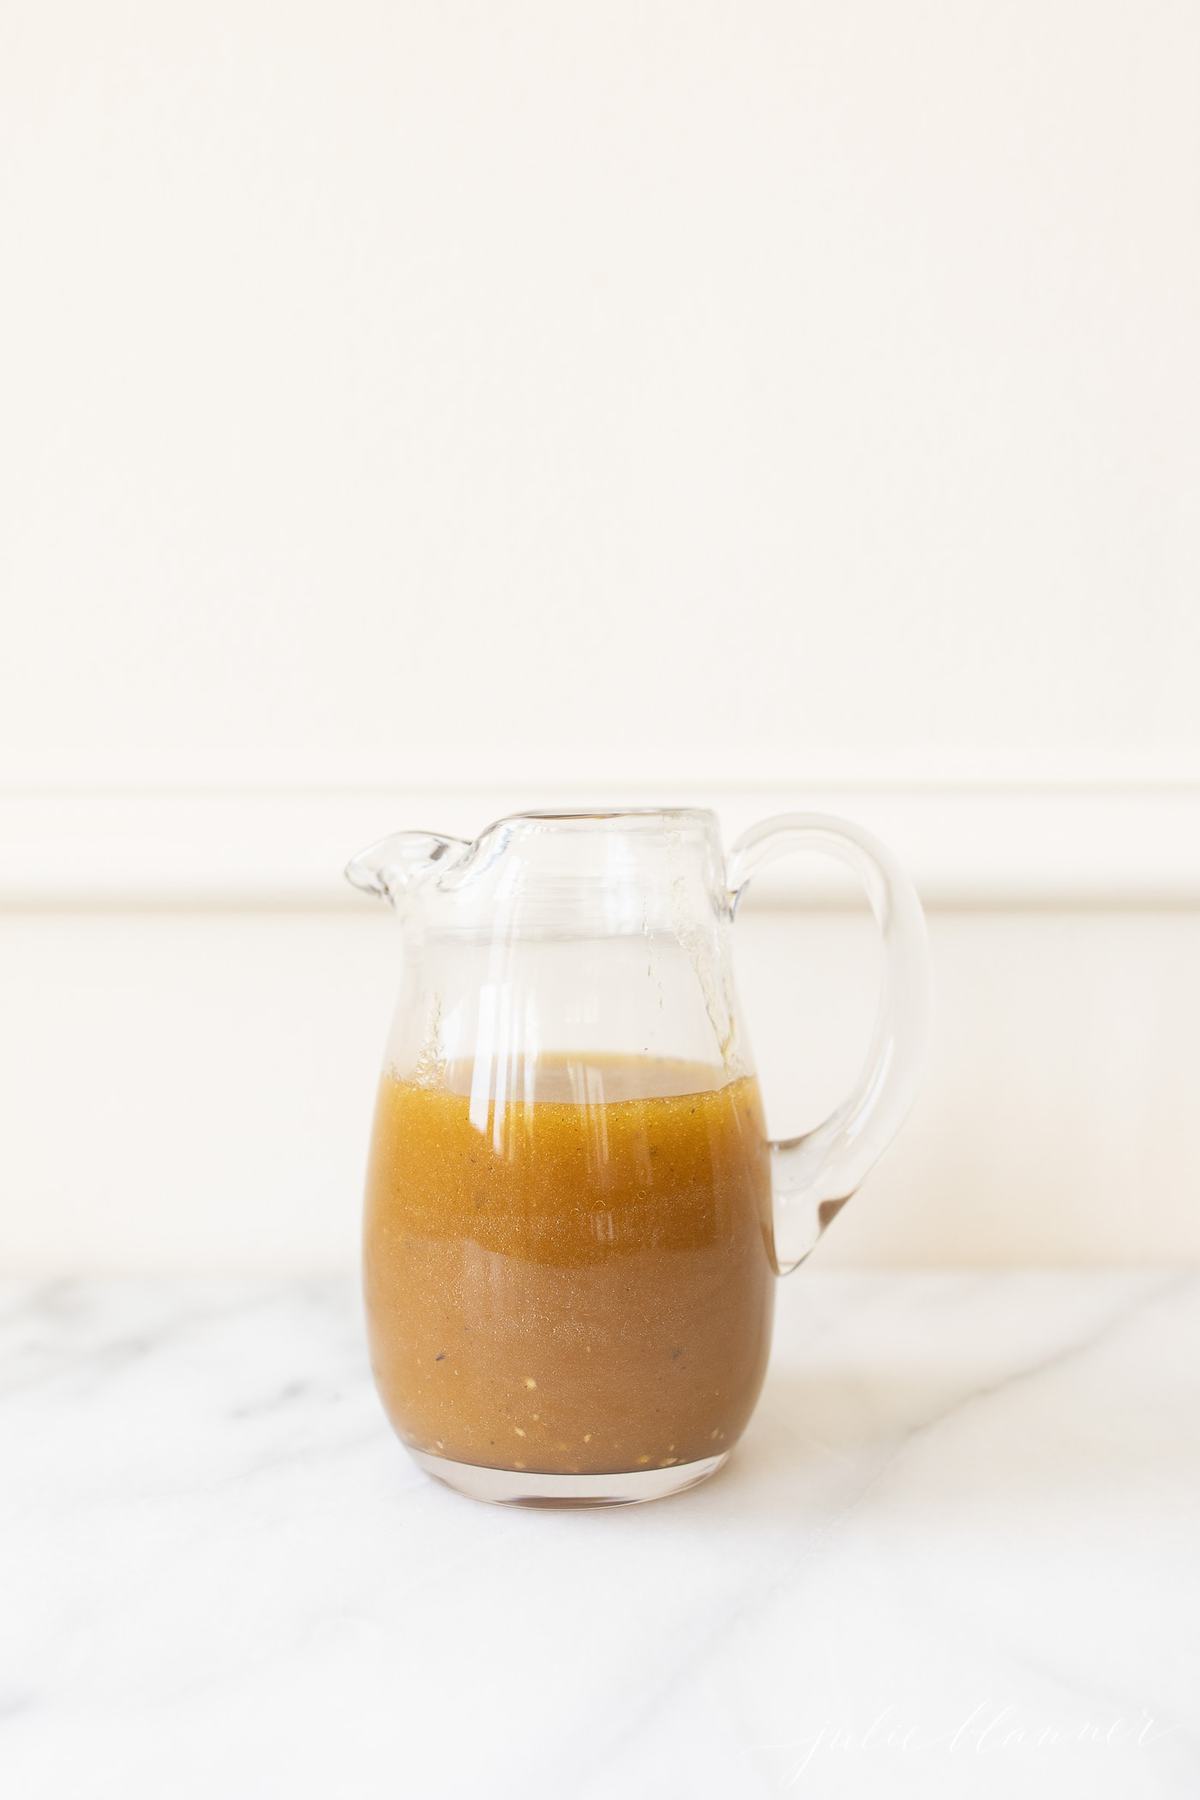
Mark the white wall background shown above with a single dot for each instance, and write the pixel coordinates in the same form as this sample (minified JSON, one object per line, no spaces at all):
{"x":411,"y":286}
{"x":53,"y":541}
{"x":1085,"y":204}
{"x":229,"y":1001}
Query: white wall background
{"x":426,"y":407}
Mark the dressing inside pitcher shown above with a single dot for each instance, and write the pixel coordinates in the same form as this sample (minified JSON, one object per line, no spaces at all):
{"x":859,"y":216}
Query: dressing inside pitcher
{"x":574,"y":1214}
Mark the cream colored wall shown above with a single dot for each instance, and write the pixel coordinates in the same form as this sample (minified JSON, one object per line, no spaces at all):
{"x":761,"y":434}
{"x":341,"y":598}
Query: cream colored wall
{"x":388,"y":382}
{"x":193,"y":1089}
{"x":755,"y":405}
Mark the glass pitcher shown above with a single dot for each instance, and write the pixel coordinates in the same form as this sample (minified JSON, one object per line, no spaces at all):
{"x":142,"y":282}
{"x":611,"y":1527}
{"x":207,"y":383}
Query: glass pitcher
{"x":574,"y":1214}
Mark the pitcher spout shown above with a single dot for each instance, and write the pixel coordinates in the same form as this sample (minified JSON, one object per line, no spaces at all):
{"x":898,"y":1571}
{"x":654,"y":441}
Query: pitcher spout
{"x":394,"y":865}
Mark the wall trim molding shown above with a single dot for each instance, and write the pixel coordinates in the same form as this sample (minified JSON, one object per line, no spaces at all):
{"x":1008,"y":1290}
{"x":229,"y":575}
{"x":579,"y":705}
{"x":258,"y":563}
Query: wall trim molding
{"x":451,"y":770}
{"x":1088,"y":832}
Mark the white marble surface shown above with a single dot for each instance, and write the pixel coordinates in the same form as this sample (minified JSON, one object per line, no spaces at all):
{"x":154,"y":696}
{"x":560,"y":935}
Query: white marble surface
{"x":957,"y":1553}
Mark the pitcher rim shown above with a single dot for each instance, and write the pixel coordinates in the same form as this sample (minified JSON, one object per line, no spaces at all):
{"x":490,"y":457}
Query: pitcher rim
{"x":565,"y":814}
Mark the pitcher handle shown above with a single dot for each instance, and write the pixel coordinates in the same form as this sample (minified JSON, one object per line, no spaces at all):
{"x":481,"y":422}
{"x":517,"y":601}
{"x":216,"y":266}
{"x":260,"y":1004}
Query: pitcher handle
{"x":814,"y":1175}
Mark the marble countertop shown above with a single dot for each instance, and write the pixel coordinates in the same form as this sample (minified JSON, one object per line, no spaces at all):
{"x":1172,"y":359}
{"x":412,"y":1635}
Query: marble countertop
{"x":958,"y":1552}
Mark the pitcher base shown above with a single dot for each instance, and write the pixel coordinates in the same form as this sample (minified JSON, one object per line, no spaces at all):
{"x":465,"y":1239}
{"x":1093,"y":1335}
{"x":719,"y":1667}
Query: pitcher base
{"x":517,"y":1487}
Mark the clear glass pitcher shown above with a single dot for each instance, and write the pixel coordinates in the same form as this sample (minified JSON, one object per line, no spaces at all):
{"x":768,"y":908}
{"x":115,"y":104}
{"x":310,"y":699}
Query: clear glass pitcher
{"x":574,"y":1214}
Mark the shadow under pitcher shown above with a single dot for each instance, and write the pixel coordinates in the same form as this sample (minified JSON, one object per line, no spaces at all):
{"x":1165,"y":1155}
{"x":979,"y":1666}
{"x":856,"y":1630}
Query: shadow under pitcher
{"x":574,"y":1214}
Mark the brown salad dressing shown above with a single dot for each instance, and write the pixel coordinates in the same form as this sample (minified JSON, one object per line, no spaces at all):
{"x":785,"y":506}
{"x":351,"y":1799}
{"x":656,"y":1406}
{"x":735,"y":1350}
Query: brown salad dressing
{"x":577,"y":1282}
